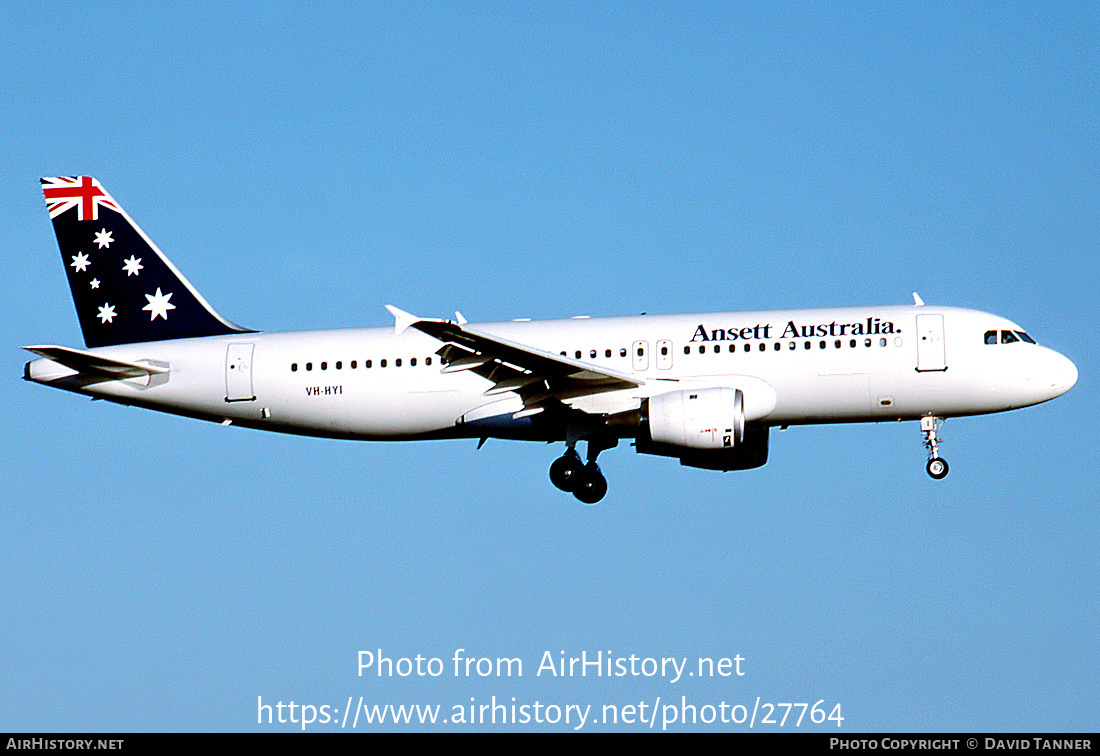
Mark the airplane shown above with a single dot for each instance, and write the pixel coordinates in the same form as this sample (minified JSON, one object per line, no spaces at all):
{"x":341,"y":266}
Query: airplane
{"x":704,"y":388}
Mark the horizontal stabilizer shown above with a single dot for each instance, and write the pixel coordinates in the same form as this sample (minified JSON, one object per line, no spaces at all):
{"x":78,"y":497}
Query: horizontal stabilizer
{"x":89,"y":363}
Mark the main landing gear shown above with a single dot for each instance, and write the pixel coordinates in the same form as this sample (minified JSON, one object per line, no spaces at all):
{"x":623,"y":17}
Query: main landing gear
{"x":937,"y":465}
{"x":585,"y":481}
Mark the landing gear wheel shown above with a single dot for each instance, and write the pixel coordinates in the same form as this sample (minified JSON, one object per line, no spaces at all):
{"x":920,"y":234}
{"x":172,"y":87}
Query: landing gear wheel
{"x":591,"y":486}
{"x":566,"y":471}
{"x":937,"y":468}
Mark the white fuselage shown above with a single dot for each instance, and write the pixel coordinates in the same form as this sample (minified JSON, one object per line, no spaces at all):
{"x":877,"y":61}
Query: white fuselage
{"x":795,"y":366}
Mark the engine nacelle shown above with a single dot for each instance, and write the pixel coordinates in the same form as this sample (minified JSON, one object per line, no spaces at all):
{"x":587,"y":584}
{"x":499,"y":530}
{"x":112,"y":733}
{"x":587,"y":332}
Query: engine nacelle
{"x":751,"y":452}
{"x":710,"y":418}
{"x":706,"y":428}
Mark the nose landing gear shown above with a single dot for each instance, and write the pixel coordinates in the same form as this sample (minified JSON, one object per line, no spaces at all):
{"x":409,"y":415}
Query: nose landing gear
{"x":937,"y":465}
{"x":584,"y":481}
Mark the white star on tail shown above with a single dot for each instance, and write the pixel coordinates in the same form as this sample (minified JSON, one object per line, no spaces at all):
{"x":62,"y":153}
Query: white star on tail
{"x":132,"y":266}
{"x":95,"y":283}
{"x":158,"y":305}
{"x":103,"y":238}
{"x":107,"y":313}
{"x":80,"y":262}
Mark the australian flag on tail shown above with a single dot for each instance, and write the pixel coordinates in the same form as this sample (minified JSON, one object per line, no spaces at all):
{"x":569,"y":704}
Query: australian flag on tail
{"x":125,"y":290}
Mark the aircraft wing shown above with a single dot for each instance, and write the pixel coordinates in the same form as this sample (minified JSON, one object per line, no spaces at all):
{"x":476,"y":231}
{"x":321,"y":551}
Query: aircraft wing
{"x":89,"y":363}
{"x":536,"y":375}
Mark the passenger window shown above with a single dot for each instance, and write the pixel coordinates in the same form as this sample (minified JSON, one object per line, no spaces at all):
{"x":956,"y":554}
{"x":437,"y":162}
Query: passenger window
{"x":339,"y":364}
{"x":748,"y":347}
{"x":381,"y":363}
{"x":427,"y":360}
{"x":578,"y":354}
{"x":1008,"y":337}
{"x":808,"y":345}
{"x":607,"y":353}
{"x":412,"y":362}
{"x":397,"y":362}
{"x":702,"y":350}
{"x":990,"y":337}
{"x":717,"y":348}
{"x":324,"y":366}
{"x":687,"y":350}
{"x":866,"y":342}
{"x":882,"y":342}
{"x":793,"y":346}
{"x":294,"y":367}
{"x":354,"y":364}
{"x":592,"y":354}
{"x":852,"y":343}
{"x":763,"y":347}
{"x":664,"y":352}
{"x":309,"y":366}
{"x":622,"y":352}
{"x":367,"y":364}
{"x":778,"y":346}
{"x":822,"y":344}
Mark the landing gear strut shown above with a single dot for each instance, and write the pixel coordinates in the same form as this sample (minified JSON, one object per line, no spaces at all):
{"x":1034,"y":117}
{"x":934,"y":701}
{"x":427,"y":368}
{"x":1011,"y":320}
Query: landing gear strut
{"x":585,"y":481}
{"x":937,"y":465}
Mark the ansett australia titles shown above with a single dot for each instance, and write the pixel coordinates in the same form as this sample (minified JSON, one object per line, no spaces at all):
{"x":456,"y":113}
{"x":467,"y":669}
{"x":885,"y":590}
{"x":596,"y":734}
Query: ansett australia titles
{"x":550,"y":664}
{"x":793,"y":330}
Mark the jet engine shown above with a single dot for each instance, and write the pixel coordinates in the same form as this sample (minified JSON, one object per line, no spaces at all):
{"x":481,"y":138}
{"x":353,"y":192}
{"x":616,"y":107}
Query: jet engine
{"x":712,"y":418}
{"x":705,"y":428}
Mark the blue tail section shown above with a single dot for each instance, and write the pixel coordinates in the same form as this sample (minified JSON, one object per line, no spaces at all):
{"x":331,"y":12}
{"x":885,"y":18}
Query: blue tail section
{"x":124,"y":288}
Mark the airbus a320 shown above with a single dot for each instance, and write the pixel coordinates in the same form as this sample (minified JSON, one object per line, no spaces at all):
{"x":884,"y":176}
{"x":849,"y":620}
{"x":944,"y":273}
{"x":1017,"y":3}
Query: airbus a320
{"x":704,"y":388}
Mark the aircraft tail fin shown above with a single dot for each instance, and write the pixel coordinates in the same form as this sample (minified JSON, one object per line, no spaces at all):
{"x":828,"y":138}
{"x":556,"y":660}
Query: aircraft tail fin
{"x":124,"y":288}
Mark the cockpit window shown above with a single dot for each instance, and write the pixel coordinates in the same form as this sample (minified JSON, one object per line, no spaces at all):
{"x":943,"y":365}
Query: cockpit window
{"x":1008,"y":337}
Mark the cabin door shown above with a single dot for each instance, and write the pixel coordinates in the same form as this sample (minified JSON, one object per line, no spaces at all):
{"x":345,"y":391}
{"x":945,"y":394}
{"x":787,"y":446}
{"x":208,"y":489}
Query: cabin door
{"x":930,"y":348}
{"x":238,"y":373}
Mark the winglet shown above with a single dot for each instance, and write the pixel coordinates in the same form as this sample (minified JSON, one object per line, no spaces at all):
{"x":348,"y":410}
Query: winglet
{"x":917,"y":300}
{"x":459,"y":319}
{"x":402,"y":319}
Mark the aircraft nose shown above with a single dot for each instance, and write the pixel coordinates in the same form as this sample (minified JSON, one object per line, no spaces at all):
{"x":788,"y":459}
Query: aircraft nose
{"x":1063,"y":374}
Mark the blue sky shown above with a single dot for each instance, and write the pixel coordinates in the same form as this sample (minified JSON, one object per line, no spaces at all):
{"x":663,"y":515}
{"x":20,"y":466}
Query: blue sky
{"x":306,"y":165}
